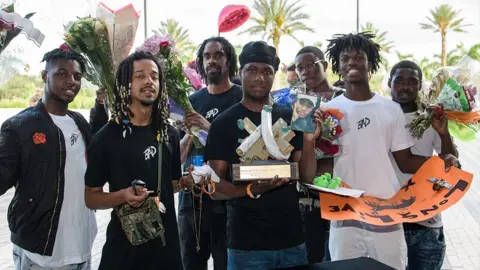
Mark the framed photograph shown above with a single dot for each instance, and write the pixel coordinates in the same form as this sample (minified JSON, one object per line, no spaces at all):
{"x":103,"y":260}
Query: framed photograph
{"x":303,"y":110}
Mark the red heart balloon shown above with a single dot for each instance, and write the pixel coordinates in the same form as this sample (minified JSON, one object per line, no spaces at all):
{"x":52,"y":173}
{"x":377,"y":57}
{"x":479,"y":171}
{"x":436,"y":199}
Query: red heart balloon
{"x":231,"y":17}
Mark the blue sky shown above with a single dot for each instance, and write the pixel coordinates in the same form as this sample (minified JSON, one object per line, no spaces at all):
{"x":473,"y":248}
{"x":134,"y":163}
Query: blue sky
{"x":400,"y":18}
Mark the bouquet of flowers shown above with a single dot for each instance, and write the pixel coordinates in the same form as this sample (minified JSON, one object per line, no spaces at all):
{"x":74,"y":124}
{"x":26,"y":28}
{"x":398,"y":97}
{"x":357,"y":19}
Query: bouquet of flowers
{"x":288,"y":96}
{"x":455,"y":93}
{"x":104,"y":40}
{"x":334,"y":125}
{"x":176,"y":83}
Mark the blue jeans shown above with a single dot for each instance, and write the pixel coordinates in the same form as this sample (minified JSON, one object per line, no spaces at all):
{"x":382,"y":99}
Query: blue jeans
{"x":266,"y":259}
{"x":426,"y":248}
{"x":22,"y":262}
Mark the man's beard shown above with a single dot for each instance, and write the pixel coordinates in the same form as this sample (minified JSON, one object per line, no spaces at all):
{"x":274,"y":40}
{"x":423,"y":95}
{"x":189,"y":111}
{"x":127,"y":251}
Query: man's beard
{"x":57,"y":98}
{"x":215,"y":79}
{"x":147,"y":102}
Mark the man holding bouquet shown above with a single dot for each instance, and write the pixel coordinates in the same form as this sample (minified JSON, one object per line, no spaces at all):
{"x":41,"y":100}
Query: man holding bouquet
{"x":217,"y":65}
{"x":376,"y":128}
{"x":425,"y":240}
{"x":43,"y":155}
{"x":311,"y":68}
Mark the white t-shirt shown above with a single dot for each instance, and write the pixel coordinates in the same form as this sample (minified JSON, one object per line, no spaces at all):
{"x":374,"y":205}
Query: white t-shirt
{"x":424,"y":147}
{"x":376,"y":128}
{"x":77,"y":226}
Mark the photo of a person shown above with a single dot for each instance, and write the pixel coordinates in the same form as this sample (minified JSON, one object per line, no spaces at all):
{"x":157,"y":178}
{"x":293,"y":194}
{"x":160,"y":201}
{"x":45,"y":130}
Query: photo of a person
{"x":302,"y":118}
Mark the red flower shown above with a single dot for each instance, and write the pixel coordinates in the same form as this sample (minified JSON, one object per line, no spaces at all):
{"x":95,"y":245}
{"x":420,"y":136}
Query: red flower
{"x":327,"y":148}
{"x":65,"y":47}
{"x":164,"y":44}
{"x":338,"y":131}
{"x":39,"y":138}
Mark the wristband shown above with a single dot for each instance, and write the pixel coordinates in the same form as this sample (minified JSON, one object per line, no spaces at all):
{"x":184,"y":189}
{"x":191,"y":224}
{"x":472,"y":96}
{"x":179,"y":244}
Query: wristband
{"x":213,"y":188}
{"x":249,"y":192}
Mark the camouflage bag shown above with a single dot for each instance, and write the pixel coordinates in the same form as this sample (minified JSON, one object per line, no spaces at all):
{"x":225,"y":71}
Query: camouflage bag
{"x":144,"y":223}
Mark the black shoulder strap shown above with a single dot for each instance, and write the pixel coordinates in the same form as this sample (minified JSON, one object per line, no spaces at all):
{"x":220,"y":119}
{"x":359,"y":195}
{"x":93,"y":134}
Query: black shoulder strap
{"x":160,"y":162}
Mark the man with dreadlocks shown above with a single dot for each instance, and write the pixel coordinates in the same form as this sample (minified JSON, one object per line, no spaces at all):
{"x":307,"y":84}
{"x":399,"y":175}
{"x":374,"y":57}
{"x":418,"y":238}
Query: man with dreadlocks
{"x":202,"y":225}
{"x":127,"y":149}
{"x":42,"y":155}
{"x":376,"y":128}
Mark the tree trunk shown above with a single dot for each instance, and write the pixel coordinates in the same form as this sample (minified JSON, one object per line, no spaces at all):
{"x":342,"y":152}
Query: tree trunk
{"x":444,"y":48}
{"x":276,"y":44}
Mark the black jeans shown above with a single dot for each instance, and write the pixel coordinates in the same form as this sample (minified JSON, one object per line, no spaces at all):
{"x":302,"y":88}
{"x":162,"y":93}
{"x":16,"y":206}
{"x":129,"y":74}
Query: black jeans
{"x":316,"y":231}
{"x":212,"y":240}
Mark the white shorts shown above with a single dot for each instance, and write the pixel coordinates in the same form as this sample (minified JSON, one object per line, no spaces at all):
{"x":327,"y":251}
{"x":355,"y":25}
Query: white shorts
{"x":389,"y":248}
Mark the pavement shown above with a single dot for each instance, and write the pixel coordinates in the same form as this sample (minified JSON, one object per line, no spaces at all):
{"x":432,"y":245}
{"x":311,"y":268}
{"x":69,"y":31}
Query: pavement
{"x":461,"y":221}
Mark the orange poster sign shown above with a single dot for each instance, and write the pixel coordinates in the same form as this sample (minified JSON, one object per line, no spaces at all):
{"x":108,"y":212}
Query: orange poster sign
{"x":415,"y":201}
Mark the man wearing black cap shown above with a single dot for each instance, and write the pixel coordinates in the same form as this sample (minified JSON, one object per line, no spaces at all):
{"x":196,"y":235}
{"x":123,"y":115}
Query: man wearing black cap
{"x":264,"y":226}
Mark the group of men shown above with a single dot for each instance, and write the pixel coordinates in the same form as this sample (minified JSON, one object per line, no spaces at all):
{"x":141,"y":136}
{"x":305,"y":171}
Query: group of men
{"x":60,"y":171}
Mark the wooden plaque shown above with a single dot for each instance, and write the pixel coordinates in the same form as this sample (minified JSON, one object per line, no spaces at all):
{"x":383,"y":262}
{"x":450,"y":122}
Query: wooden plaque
{"x":265,"y":171}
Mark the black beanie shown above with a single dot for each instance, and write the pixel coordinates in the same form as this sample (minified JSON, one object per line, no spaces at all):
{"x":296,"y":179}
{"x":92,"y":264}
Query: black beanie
{"x":259,"y":52}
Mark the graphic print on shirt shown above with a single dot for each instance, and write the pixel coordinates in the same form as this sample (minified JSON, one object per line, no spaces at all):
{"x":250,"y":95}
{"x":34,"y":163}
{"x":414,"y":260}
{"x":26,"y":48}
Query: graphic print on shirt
{"x":73,"y":139}
{"x":363,"y":123}
{"x":150,"y":152}
{"x":211,"y":114}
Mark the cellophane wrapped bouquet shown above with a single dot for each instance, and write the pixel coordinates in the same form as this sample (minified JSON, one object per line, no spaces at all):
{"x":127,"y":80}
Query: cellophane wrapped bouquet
{"x":176,"y":83}
{"x":11,"y":25}
{"x":287,"y":96}
{"x":334,"y":125}
{"x":455,"y":92}
{"x":105,"y":40}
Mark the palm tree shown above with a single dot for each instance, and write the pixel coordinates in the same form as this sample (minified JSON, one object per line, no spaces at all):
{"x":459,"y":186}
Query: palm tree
{"x":473,"y":52}
{"x":181,"y":36}
{"x":380,"y":38}
{"x":318,"y":44}
{"x":278,"y":18}
{"x":443,"y":19}
{"x":402,"y":56}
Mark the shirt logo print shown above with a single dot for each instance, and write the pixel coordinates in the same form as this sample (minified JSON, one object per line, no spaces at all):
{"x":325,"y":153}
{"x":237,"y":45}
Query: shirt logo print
{"x":212,"y":113}
{"x":73,"y":139}
{"x":150,"y":152}
{"x":363,"y":123}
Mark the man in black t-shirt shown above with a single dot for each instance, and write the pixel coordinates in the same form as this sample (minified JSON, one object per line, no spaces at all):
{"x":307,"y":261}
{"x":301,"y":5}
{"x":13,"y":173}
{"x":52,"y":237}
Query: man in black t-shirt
{"x":126,"y":149}
{"x":217,"y":64}
{"x":264,"y":226}
{"x":311,"y":68}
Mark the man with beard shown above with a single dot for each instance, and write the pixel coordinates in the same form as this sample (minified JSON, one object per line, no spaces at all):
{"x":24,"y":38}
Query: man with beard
{"x":311,"y":67}
{"x":376,"y":128}
{"x":425,"y":240}
{"x":264,"y":226}
{"x":127,"y":149}
{"x":217,"y":65}
{"x":42,"y":155}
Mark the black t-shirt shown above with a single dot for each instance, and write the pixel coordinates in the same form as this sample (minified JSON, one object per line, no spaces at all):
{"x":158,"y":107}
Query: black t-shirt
{"x":118,"y":161}
{"x":209,"y":106}
{"x":273,"y":221}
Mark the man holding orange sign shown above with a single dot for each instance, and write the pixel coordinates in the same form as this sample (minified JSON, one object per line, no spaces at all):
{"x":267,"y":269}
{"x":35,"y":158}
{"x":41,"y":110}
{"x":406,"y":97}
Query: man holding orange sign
{"x":377,"y":128}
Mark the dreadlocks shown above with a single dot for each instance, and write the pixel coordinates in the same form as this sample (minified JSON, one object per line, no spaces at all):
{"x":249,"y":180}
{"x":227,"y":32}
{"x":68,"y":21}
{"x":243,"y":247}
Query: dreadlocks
{"x":53,"y":55}
{"x":362,"y":42}
{"x":229,"y":51}
{"x":121,"y":112}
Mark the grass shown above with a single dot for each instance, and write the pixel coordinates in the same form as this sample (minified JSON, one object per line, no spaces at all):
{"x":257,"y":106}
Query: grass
{"x":80,"y":102}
